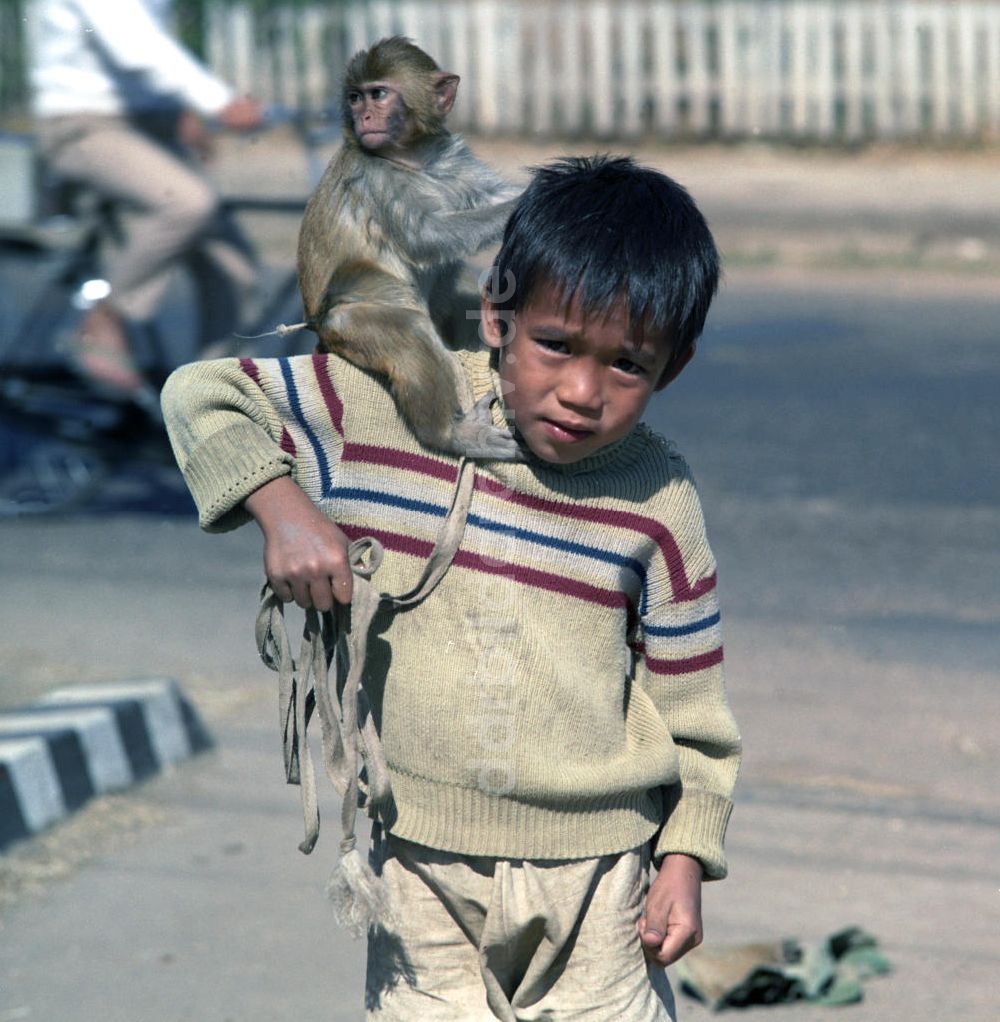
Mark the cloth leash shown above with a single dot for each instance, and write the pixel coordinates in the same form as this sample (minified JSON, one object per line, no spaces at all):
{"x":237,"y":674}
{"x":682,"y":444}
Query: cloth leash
{"x":340,"y":637}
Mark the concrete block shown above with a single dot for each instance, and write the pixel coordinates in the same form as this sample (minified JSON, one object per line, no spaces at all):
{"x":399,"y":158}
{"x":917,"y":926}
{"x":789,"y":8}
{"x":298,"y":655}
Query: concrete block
{"x":159,"y":707}
{"x":29,"y":788}
{"x":83,"y":740}
{"x":173,"y":729}
{"x":97,"y":730}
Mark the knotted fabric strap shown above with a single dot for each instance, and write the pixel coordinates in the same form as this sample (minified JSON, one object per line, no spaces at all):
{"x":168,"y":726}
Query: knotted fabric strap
{"x":340,"y":637}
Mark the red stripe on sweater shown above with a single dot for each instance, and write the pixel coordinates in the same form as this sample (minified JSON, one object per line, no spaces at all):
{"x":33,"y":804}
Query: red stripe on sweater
{"x":250,"y":368}
{"x":287,"y":444}
{"x":334,"y":406}
{"x":394,"y":458}
{"x":492,"y":566}
{"x":542,"y":580}
{"x":681,"y":588}
{"x":686,"y":665}
{"x":391,"y":540}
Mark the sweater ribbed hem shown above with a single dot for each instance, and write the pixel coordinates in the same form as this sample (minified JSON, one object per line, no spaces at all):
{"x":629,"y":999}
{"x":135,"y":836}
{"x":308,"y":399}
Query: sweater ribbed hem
{"x":696,"y":826}
{"x":250,"y":459}
{"x":469,"y":821}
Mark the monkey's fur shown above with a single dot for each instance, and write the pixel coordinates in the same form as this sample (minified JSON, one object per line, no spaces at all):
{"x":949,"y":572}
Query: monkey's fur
{"x":382,"y":245}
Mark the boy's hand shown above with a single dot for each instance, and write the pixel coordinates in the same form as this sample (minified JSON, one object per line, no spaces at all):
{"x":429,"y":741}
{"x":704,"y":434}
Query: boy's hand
{"x":305,"y":554}
{"x":671,"y":925}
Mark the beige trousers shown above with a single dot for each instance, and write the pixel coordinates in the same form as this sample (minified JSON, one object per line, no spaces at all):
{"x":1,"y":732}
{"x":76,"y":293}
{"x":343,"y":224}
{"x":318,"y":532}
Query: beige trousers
{"x":476,"y":939}
{"x":167,"y":209}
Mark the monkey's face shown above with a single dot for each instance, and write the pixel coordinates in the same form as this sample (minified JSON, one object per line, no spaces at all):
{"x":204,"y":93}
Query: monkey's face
{"x":573,"y":384}
{"x":382,"y":123}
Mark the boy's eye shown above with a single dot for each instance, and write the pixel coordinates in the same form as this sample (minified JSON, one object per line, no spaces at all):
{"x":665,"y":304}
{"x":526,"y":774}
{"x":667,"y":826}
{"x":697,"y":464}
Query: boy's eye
{"x":551,"y":344}
{"x":626,"y":365}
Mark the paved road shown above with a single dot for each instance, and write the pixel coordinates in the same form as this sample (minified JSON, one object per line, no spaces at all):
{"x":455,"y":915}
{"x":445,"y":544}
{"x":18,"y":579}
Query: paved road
{"x":844,"y":437}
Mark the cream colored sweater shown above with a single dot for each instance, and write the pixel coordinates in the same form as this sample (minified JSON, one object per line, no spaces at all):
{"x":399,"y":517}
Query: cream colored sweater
{"x":560,"y":693}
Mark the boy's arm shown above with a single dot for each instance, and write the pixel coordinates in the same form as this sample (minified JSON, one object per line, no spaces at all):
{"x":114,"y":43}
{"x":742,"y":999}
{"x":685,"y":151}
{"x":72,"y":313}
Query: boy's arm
{"x":226,"y":437}
{"x":681,"y":671}
{"x":689,"y":847}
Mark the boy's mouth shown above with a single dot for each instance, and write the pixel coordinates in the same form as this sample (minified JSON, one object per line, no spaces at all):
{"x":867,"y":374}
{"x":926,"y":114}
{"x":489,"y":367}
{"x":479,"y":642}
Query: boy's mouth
{"x":564,"y":431}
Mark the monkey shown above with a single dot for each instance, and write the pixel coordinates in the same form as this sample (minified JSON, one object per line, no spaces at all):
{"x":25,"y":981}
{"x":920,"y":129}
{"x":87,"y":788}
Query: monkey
{"x":383,"y":237}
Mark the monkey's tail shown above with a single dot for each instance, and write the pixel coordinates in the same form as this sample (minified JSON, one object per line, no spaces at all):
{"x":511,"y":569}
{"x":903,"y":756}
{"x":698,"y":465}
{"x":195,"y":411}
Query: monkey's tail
{"x":281,"y":330}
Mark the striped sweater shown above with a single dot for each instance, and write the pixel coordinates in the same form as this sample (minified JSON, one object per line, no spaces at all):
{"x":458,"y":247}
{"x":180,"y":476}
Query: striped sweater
{"x":560,"y":693}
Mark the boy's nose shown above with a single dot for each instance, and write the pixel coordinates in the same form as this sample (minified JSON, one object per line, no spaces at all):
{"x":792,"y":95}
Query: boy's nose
{"x":581,"y":388}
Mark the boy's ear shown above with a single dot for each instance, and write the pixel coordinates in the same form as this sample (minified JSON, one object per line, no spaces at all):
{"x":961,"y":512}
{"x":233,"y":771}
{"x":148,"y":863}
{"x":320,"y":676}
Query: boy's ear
{"x":671,"y":374}
{"x":491,"y":324}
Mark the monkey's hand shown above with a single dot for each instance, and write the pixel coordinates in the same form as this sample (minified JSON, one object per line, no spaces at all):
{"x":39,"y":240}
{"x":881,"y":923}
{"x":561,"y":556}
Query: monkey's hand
{"x":475,"y":436}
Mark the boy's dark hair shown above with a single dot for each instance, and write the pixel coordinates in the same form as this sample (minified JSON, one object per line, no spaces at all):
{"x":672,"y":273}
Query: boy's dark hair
{"x":602,"y":229}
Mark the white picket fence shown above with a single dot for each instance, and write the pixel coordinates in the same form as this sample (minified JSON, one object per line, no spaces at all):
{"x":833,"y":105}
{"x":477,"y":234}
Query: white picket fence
{"x":824,"y":70}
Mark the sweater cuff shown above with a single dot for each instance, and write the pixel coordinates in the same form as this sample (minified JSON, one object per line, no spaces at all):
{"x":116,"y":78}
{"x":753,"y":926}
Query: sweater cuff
{"x":226,"y":467}
{"x":695,"y":825}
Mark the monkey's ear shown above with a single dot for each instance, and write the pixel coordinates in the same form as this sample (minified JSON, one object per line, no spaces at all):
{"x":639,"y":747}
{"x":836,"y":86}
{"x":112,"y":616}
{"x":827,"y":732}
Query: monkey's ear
{"x":445,"y":90}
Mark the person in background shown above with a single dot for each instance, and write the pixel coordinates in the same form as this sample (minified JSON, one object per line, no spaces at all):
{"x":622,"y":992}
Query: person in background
{"x":119,"y":107}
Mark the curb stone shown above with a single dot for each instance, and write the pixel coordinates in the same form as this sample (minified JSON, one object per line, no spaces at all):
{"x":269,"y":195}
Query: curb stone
{"x":86,"y":740}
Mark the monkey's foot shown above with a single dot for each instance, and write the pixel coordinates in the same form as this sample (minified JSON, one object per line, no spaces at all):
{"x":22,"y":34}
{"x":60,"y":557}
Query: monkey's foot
{"x":475,"y":436}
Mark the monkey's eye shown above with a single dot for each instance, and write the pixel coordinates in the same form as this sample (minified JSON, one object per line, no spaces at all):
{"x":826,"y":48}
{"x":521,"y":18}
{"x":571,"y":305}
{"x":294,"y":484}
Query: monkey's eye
{"x":354,"y":97}
{"x":379,"y":92}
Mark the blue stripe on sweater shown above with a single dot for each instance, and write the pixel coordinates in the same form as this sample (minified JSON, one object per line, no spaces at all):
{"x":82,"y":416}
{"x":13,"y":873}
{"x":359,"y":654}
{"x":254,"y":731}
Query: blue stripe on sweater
{"x":669,"y":631}
{"x":296,"y":406}
{"x":490,"y":525}
{"x":388,"y":499}
{"x":597,"y":554}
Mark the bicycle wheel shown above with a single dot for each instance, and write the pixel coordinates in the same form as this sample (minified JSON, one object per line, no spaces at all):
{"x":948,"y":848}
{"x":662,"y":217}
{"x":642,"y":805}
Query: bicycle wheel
{"x":8,"y":307}
{"x":49,"y":477}
{"x":40,"y":287}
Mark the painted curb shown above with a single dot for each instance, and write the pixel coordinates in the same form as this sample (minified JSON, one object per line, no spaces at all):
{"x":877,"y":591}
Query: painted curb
{"x":85,"y":740}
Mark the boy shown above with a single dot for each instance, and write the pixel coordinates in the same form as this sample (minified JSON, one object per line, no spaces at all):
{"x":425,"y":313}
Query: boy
{"x":552,"y":714}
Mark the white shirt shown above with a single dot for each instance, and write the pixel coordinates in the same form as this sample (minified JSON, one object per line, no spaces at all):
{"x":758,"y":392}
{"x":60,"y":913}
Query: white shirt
{"x":113,"y":56}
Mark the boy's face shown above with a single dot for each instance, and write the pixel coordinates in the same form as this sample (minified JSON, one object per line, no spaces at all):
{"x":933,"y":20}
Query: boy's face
{"x":574,"y":384}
